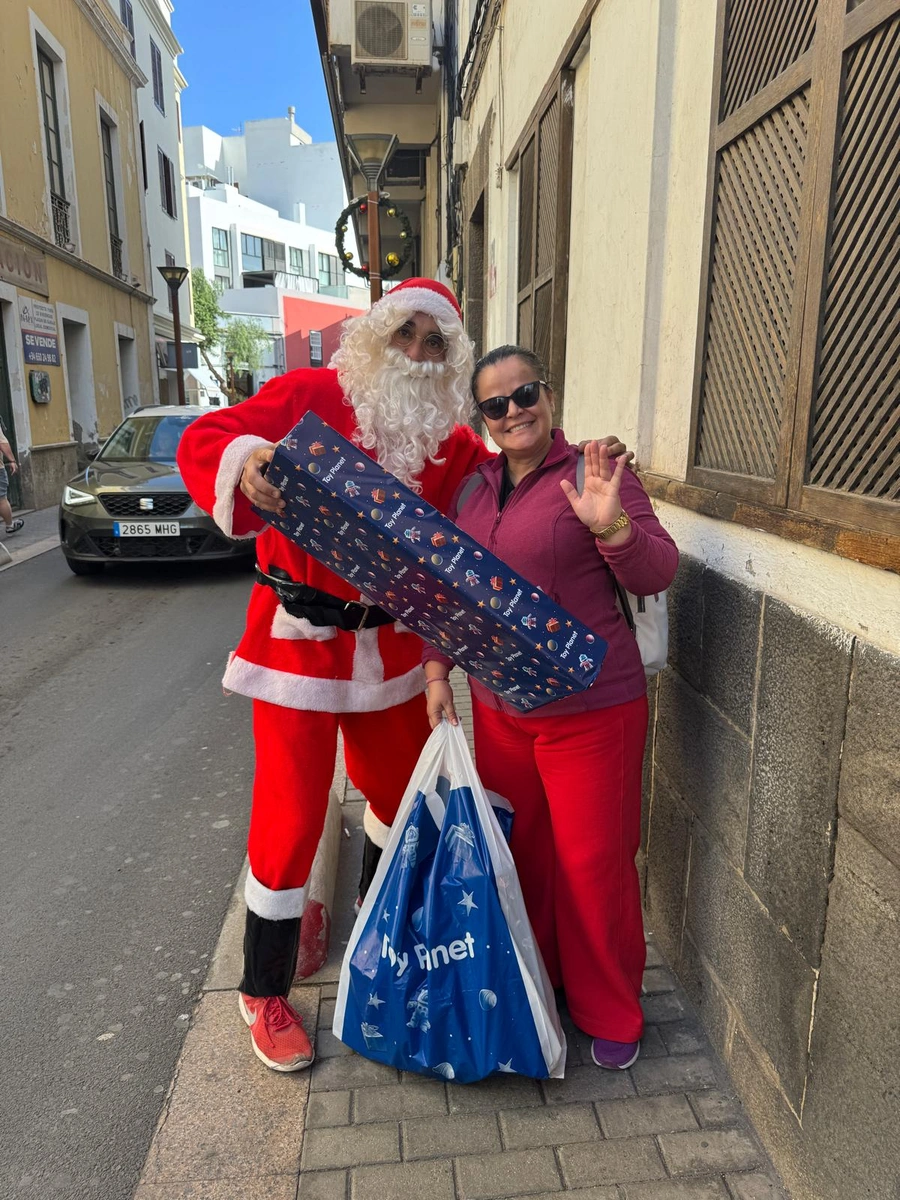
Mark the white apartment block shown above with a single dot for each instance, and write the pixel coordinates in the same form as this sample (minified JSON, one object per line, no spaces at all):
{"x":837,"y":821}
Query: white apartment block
{"x":277,"y":163}
{"x":156,"y":50}
{"x":241,"y":243}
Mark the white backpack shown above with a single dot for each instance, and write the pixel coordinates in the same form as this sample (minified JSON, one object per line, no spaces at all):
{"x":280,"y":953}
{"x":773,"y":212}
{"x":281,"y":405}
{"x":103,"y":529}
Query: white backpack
{"x":646,"y":616}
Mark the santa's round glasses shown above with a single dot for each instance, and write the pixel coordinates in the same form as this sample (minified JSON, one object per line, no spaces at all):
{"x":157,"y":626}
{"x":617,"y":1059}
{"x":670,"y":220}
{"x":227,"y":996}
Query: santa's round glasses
{"x":434,"y":344}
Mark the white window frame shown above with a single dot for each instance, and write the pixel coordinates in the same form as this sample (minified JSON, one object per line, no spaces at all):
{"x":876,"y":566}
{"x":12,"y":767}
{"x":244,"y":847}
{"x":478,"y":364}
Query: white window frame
{"x":42,"y":38}
{"x":107,"y":115}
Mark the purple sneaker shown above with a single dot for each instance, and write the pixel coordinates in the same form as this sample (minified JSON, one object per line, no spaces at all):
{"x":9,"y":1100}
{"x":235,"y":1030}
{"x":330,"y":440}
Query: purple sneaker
{"x":614,"y":1056}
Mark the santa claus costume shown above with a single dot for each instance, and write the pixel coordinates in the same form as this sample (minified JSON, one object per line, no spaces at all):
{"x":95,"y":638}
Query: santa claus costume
{"x":309,"y":680}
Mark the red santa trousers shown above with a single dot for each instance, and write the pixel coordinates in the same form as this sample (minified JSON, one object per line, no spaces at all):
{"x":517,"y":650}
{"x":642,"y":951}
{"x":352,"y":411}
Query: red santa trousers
{"x":575,"y":784}
{"x":295,"y":753}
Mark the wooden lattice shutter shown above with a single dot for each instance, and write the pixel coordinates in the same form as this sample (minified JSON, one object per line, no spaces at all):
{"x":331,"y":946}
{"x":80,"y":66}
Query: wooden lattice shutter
{"x":797,"y":400}
{"x":849,"y":417}
{"x":545,"y":193}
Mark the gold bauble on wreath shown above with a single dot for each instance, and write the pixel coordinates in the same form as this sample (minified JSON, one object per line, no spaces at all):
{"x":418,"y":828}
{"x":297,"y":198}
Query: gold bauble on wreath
{"x":393,"y":262}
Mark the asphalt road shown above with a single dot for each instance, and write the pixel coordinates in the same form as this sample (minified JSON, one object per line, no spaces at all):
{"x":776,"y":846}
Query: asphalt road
{"x":124,"y":795}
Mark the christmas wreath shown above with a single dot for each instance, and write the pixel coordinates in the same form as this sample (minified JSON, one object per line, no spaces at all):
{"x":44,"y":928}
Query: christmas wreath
{"x":393,"y":263}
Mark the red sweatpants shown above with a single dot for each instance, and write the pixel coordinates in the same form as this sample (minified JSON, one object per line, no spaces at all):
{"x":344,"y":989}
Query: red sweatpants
{"x":295,"y":753}
{"x":575,"y":785}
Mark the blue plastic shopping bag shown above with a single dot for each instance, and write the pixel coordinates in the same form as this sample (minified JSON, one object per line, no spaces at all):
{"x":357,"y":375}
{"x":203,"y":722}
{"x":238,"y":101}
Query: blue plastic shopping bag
{"x":442,"y":974}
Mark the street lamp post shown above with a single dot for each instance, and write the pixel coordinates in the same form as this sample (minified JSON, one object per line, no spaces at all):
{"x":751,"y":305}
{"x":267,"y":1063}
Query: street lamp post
{"x":371,"y":153}
{"x":175,"y":277}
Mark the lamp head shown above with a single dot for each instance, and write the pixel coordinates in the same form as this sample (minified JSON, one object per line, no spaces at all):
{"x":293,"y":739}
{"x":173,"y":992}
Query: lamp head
{"x":174,"y":276}
{"x":371,"y":153}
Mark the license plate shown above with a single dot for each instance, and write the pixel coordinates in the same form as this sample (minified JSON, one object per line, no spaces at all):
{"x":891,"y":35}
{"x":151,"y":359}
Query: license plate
{"x":146,"y":528}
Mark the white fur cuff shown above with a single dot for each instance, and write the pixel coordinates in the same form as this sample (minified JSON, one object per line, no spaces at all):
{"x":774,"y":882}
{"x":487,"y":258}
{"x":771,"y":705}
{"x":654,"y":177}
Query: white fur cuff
{"x":227,"y":478}
{"x":274,"y":906}
{"x":375,"y":829}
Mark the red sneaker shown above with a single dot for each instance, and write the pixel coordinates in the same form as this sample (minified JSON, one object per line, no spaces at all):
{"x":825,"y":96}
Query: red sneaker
{"x":277,"y":1033}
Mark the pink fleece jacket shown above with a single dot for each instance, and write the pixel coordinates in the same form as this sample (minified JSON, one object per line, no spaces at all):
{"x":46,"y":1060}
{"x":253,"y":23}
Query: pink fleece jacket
{"x":540,"y":537}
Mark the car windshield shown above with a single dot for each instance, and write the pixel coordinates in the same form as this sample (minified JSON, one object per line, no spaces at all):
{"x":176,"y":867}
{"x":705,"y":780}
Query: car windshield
{"x":146,"y":439}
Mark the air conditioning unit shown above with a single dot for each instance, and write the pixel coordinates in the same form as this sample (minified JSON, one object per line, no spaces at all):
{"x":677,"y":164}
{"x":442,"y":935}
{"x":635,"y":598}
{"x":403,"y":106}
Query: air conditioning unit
{"x":392,"y":34}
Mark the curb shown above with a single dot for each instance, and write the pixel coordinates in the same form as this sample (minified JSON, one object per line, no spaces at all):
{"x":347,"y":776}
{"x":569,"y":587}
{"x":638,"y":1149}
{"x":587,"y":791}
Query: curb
{"x":13,"y":560}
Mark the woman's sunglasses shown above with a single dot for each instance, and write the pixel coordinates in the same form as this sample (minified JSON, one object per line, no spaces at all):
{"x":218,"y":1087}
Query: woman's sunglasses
{"x":525,"y":396}
{"x":433,"y":344}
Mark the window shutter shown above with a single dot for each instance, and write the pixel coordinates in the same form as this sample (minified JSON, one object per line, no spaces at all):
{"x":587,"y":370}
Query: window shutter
{"x":797,"y":399}
{"x":545,"y":197}
{"x":855,"y":434}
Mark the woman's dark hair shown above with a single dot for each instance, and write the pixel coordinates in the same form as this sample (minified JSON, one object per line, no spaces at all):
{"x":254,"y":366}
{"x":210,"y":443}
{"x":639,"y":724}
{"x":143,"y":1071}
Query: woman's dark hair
{"x":503,"y":352}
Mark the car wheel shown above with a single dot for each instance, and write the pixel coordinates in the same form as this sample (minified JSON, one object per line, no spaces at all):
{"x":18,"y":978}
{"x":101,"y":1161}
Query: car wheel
{"x":77,"y":567}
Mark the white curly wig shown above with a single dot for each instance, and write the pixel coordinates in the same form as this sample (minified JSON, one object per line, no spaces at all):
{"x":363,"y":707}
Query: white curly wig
{"x":404,"y":409}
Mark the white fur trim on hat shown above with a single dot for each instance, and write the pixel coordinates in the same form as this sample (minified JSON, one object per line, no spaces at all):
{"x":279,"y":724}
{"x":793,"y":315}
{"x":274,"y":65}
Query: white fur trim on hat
{"x":375,"y":829}
{"x":319,"y":695}
{"x":274,"y":906}
{"x":228,"y":476}
{"x":410,"y":300}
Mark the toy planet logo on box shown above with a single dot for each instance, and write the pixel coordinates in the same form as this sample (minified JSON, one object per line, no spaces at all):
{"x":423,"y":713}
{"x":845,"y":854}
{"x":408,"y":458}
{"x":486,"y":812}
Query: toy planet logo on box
{"x":405,"y":556}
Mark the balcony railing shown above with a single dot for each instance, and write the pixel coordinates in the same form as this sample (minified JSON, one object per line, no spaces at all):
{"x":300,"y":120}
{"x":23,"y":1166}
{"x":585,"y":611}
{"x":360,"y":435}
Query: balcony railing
{"x":115,"y":245}
{"x":61,"y":234}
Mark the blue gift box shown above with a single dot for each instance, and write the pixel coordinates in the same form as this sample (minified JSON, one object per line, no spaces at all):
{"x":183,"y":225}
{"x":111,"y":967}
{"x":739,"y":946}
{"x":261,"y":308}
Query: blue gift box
{"x":405,"y":556}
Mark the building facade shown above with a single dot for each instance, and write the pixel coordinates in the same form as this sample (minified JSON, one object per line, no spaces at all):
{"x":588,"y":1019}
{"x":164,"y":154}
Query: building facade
{"x":690,"y":212}
{"x":75,"y":294}
{"x":277,"y":163}
{"x":278,"y":271}
{"x":154,"y":47}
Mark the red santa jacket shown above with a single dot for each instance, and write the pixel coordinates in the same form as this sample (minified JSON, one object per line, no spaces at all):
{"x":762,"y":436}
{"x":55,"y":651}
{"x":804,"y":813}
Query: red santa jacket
{"x":280,"y":658}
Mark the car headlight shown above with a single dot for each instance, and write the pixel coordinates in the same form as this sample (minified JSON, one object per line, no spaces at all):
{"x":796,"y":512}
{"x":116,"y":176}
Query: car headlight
{"x":72,"y":497}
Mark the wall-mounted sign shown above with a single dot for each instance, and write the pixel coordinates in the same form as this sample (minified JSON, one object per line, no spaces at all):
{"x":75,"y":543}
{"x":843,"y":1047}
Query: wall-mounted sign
{"x":39,"y":338}
{"x":39,"y":386}
{"x":315,"y":348}
{"x":24,"y":268}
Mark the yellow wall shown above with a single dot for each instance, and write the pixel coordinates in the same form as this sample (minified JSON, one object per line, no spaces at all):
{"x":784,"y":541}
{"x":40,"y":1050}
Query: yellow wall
{"x":90,"y":68}
{"x":105,"y":306}
{"x":95,"y":68}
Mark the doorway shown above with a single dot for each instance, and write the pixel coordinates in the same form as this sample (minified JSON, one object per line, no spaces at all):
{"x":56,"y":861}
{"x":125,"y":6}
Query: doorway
{"x":6,"y":420}
{"x":128,"y":375}
{"x":80,"y":387}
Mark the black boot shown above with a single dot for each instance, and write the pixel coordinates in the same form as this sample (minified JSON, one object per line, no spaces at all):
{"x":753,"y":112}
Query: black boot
{"x":371,"y":859}
{"x":270,"y":955}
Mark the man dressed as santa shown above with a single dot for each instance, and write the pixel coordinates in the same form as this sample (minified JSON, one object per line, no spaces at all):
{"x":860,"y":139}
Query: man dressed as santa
{"x":316,"y":660}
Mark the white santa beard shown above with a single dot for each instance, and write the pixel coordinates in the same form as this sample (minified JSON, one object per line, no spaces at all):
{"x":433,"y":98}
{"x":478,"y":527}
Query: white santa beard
{"x":404,"y":410}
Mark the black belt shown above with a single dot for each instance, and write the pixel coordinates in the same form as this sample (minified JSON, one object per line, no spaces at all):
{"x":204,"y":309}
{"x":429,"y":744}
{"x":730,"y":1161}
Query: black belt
{"x":321,"y":608}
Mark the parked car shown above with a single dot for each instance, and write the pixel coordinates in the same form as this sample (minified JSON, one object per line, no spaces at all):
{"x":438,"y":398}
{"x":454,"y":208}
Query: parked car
{"x":131,"y":505}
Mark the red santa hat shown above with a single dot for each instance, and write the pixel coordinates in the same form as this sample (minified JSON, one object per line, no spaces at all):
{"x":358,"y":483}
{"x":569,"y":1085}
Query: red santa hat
{"x":423,"y":295}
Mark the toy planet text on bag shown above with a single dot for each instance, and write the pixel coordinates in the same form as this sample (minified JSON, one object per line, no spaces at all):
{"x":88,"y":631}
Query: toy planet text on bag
{"x":405,"y":556}
{"x":442,"y":974}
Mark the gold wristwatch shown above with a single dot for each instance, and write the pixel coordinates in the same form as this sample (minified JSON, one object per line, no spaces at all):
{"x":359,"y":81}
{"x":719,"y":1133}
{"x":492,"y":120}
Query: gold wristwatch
{"x":621,"y":522}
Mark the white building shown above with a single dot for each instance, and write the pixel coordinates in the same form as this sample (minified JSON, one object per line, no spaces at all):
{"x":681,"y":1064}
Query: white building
{"x":241,"y":243}
{"x":156,"y":50}
{"x":277,"y":163}
{"x":260,"y":264}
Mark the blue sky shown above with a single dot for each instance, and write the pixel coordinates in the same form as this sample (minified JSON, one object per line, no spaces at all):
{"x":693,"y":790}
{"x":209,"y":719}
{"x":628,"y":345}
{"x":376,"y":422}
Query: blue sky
{"x":245,"y":62}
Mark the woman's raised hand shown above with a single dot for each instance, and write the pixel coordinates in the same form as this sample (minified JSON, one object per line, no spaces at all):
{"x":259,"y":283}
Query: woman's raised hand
{"x":599,"y":504}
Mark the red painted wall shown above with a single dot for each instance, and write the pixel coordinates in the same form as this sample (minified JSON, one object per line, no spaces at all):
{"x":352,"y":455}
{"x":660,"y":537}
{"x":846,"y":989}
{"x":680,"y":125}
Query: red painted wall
{"x":302,"y":315}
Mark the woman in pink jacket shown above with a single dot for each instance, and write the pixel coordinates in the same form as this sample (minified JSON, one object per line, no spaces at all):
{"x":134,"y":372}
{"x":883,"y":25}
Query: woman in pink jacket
{"x":571,"y":769}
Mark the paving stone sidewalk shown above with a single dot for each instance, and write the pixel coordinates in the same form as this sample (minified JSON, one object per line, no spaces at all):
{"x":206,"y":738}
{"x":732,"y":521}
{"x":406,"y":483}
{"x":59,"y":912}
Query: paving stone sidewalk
{"x":670,"y":1128}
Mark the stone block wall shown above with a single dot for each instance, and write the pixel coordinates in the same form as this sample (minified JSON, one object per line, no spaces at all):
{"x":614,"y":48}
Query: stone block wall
{"x":771,"y":867}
